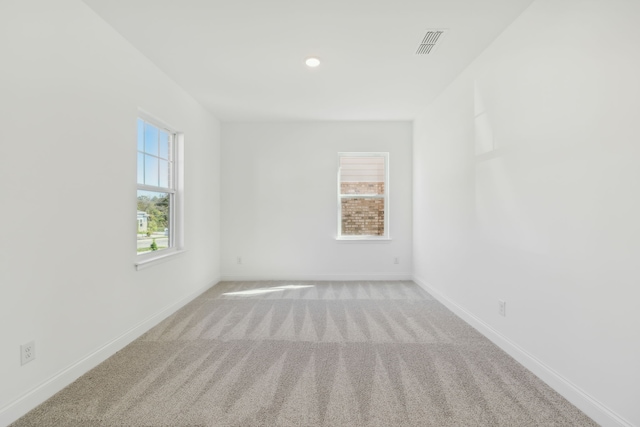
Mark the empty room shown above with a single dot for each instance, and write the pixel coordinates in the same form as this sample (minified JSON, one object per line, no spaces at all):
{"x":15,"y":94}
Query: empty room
{"x":348,"y":213}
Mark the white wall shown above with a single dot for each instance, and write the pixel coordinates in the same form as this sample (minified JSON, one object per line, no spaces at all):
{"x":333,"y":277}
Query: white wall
{"x":70,"y":91}
{"x":279,"y":201}
{"x":549,"y":219}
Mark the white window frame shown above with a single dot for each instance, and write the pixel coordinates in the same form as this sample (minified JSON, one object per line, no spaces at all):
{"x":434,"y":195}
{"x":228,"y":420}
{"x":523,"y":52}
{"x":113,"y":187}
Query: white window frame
{"x":176,"y":224}
{"x":385,"y":196}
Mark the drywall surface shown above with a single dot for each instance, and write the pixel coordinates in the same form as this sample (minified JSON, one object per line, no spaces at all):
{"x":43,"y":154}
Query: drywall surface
{"x":279,"y":201}
{"x":526,"y":189}
{"x":71,"y":89}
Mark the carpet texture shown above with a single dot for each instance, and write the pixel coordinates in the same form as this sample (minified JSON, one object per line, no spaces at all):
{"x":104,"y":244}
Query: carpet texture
{"x":309,"y":354}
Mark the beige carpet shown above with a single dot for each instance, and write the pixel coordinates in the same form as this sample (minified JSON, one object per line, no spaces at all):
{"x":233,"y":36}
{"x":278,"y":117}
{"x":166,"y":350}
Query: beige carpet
{"x":309,"y":354}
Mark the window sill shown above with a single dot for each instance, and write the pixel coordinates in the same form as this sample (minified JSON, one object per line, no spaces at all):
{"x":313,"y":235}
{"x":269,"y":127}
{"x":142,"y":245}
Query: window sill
{"x":159,"y":259}
{"x":343,"y":239}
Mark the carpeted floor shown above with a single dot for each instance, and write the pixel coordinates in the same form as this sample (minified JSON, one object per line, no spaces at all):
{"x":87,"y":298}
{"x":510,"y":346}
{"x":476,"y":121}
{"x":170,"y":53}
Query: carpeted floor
{"x":309,"y":354}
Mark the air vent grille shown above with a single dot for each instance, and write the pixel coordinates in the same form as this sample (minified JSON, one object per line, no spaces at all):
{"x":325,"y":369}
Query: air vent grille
{"x":430,"y":41}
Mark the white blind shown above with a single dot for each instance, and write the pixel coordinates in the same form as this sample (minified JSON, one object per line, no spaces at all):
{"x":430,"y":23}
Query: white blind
{"x":362,"y":169}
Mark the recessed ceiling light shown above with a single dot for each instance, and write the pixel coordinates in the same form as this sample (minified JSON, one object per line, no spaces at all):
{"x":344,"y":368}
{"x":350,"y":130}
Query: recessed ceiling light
{"x":312,"y":62}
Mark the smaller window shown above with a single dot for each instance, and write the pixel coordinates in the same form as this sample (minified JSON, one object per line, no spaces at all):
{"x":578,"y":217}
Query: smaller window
{"x":363,"y":196}
{"x":158,"y":197}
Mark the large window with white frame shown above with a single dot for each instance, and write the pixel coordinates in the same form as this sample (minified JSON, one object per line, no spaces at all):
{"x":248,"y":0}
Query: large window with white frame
{"x":157,"y":198}
{"x":363,"y":196}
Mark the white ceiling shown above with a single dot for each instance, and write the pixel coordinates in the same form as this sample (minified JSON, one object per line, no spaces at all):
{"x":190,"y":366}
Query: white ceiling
{"x":244,"y":59}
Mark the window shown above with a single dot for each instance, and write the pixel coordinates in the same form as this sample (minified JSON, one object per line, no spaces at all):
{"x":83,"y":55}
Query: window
{"x":158,"y":196}
{"x":363,"y":196}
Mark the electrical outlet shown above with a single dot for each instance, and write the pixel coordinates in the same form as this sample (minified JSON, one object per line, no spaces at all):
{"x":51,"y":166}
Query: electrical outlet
{"x":396,"y":260}
{"x":27,"y":352}
{"x":239,"y":260}
{"x":502,"y":308}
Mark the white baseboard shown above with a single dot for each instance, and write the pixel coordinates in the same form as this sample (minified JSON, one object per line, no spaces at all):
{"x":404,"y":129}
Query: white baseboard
{"x":599,"y":412}
{"x":19,"y":407}
{"x":318,"y":277}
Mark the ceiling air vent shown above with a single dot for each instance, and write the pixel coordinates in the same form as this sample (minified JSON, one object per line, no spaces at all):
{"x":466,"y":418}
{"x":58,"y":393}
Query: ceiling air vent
{"x":430,"y":41}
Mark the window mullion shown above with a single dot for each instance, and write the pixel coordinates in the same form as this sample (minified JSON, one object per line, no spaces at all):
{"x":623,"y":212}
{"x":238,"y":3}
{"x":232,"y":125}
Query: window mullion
{"x":362,"y":196}
{"x":156,"y":188}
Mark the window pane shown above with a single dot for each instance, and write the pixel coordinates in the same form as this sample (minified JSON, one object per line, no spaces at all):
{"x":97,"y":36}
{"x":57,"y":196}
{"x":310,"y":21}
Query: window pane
{"x":140,"y":135}
{"x":164,"y":145}
{"x":154,"y":211}
{"x":150,"y":170}
{"x":363,"y":217}
{"x":150,"y":139}
{"x":140,"y":168}
{"x":362,"y":175}
{"x":164,"y":173}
